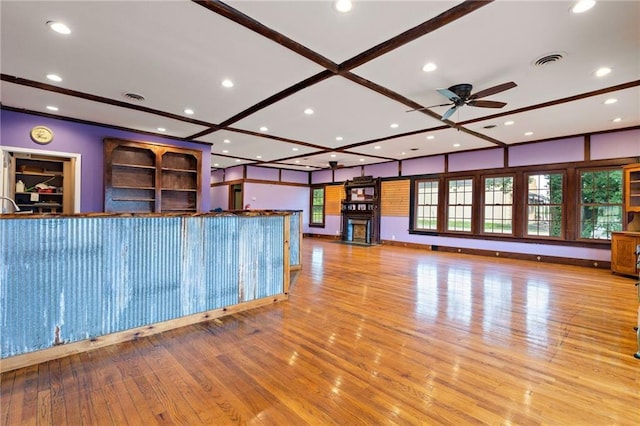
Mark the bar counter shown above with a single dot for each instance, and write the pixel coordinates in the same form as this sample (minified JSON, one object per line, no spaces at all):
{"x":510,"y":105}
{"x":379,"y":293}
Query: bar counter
{"x":70,"y":283}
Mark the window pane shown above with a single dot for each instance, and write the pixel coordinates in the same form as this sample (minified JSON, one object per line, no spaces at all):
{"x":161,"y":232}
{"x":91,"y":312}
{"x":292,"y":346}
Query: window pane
{"x":601,"y":203}
{"x":498,"y":199}
{"x":460,"y":201}
{"x":544,"y":205}
{"x":427,"y":205}
{"x":317,"y":206}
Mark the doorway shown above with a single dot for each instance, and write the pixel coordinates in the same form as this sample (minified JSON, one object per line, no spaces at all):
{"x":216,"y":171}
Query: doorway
{"x":40,"y":181}
{"x":235,"y":197}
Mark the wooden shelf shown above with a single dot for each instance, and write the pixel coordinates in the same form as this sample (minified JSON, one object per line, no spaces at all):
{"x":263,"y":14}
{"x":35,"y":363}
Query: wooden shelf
{"x":151,"y":177}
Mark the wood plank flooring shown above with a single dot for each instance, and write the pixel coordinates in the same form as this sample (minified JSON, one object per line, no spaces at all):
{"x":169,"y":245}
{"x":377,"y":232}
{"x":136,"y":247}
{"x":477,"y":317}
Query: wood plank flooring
{"x":370,"y":336}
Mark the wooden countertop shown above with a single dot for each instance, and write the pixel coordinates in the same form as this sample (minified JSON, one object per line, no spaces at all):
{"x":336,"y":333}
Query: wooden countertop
{"x":248,"y":213}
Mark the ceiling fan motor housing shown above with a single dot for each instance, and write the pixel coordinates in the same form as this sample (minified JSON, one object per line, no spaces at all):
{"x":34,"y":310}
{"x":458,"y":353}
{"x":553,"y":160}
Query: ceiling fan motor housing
{"x":462,"y":90}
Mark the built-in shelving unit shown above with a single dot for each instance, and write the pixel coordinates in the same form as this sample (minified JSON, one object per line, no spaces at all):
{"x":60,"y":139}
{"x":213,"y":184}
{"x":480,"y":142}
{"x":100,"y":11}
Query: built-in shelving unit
{"x":624,"y":244}
{"x":360,"y":211}
{"x":144,"y":177}
{"x":41,"y":183}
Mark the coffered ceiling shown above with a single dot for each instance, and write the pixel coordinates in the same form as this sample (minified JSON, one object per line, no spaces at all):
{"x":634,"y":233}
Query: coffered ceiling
{"x":359,"y":72}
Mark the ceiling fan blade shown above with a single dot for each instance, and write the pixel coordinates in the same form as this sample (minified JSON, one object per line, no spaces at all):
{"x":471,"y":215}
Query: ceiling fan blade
{"x":449,"y":112}
{"x":449,"y":94}
{"x":486,"y":104}
{"x":493,"y":90}
{"x":432,"y":106}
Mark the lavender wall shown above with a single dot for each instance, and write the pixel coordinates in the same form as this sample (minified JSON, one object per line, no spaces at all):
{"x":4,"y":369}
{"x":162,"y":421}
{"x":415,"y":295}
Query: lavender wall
{"x":263,"y":173}
{"x":389,"y":169}
{"x":616,"y":145}
{"x":476,"y":160}
{"x":220,"y":197}
{"x":422,"y":166}
{"x":262,"y":196}
{"x":234,"y":173}
{"x":294,"y":176}
{"x":559,"y":151}
{"x":86,"y":140}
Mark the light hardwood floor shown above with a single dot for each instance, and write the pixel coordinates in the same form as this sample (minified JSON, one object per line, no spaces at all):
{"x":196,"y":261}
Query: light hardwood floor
{"x":370,"y":336}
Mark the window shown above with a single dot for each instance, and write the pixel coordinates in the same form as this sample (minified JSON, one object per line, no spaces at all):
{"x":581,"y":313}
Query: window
{"x":600,"y":203}
{"x":317,"y":207}
{"x":544,"y":205}
{"x":498,"y":205}
{"x":459,"y":205}
{"x":426,"y":205}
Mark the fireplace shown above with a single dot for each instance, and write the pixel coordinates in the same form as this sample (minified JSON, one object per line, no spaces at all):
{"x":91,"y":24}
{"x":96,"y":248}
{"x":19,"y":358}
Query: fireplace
{"x":359,"y":231}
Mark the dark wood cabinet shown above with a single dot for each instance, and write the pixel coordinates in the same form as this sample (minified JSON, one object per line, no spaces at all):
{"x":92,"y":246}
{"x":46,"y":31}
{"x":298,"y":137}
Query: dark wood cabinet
{"x":360,"y":211}
{"x":145,"y":177}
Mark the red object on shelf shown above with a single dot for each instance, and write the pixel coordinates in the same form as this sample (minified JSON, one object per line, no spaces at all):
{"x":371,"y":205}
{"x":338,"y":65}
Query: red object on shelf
{"x":45,"y":190}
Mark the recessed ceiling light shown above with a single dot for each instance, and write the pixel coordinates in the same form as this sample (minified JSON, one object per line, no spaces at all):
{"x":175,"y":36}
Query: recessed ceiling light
{"x":456,"y":145}
{"x":297,"y":161}
{"x":59,"y":27}
{"x":227,"y":83}
{"x":509,"y":123}
{"x":52,"y":108}
{"x":528,"y":133}
{"x":307,"y":167}
{"x":343,"y":6}
{"x":225,"y":151}
{"x":377,"y":147}
{"x":394,"y":125}
{"x":162,"y":129}
{"x":362,"y":159}
{"x":431,"y":137}
{"x":264,"y":129}
{"x":617,"y":120}
{"x":610,"y":101}
{"x":333,"y":156}
{"x":428,"y":67}
{"x":215,"y":164}
{"x":294,"y":149}
{"x":308,"y":111}
{"x":54,"y":77}
{"x":188,"y":111}
{"x":258,"y":156}
{"x":403,"y":153}
{"x":226,"y":141}
{"x":238,"y":160}
{"x":338,"y":138}
{"x":583,"y":6}
{"x":601,"y":72}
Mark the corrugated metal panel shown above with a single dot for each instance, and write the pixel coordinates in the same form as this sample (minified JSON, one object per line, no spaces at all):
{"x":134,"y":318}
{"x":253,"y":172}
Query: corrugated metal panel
{"x":86,"y":277}
{"x":295,"y":237}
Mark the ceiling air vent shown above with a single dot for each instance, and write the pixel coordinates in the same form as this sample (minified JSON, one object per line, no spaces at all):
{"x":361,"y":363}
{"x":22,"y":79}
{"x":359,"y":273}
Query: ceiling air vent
{"x":490,"y":126}
{"x":133,"y":96}
{"x":549,"y":59}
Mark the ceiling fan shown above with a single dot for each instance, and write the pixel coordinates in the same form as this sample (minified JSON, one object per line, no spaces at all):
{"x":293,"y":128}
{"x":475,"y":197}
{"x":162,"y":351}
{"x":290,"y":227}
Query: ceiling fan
{"x":460,"y":94}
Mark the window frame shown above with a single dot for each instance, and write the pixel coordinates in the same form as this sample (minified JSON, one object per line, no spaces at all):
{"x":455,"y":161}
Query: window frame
{"x":447,"y":205}
{"x":484,"y":204}
{"x":414,"y":205}
{"x":314,"y":188}
{"x":580,"y":204}
{"x":564,"y":205}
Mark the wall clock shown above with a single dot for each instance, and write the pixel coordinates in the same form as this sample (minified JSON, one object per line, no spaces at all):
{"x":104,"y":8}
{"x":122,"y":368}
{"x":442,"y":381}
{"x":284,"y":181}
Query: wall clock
{"x":42,"y":135}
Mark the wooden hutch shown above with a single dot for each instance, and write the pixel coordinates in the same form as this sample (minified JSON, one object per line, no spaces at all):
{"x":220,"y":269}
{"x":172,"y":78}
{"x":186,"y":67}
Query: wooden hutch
{"x":361,"y":211}
{"x":151,"y":178}
{"x":624,"y":244}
